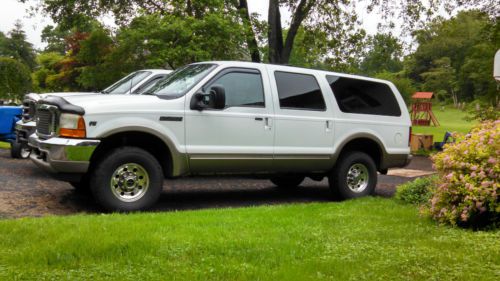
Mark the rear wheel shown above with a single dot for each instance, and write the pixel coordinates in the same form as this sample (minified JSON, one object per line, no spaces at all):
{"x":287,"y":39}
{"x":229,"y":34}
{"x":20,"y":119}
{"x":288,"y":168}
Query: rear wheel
{"x":354,"y":175}
{"x":19,"y":150}
{"x":287,"y":181}
{"x":127,"y":179}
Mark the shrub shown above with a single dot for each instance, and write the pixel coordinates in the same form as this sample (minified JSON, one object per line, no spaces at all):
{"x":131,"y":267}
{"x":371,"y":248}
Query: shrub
{"x":416,"y":192}
{"x":468,"y":188}
{"x":486,"y":114}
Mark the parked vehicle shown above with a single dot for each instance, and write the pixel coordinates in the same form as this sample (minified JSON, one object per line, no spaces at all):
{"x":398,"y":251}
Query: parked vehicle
{"x":9,"y":115}
{"x":134,"y":83}
{"x":220,"y":118}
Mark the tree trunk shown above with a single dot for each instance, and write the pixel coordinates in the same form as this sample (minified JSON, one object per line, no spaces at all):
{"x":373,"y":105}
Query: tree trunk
{"x":253,"y":48}
{"x":298,"y":17}
{"x":275,"y":34}
{"x":278,"y":53}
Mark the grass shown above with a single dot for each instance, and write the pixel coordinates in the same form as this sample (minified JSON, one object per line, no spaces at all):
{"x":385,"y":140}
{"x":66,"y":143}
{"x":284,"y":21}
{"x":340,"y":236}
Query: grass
{"x":450,"y":119}
{"x":4,"y":145}
{"x":365,"y":239}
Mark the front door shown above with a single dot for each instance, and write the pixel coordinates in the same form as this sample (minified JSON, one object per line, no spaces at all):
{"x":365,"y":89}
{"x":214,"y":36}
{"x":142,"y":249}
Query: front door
{"x":238,"y":138}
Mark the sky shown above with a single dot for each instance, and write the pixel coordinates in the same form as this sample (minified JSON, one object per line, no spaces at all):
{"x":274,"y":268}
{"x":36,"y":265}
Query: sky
{"x":12,"y":10}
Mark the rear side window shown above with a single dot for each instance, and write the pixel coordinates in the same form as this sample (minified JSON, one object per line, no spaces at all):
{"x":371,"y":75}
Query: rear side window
{"x":299,"y":91}
{"x":363,"y":97}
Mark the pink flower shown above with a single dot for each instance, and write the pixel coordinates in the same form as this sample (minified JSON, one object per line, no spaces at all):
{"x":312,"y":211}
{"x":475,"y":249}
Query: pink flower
{"x":463,"y":216}
{"x":492,"y":160}
{"x":473,"y":168}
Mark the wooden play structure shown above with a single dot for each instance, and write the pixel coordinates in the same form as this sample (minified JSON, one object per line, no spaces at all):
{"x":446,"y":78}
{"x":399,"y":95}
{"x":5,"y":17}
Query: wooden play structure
{"x":421,"y":110}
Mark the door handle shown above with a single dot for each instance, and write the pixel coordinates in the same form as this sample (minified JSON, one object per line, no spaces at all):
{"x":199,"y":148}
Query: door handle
{"x":259,"y":119}
{"x":267,"y":124}
{"x":328,"y":126}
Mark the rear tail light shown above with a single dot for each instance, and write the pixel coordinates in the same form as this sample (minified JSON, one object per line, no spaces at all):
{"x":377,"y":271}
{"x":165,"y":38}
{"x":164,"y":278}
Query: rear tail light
{"x":409,"y":138}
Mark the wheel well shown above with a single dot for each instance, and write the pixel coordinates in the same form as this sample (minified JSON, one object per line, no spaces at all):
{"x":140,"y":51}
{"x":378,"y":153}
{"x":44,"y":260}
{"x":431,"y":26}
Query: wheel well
{"x":368,"y":146}
{"x":148,"y":142}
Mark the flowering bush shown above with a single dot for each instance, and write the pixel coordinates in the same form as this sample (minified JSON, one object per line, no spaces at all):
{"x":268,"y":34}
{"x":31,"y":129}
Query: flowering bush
{"x":468,"y":188}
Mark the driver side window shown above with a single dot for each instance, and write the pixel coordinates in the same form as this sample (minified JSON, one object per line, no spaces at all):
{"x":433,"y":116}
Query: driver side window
{"x":242,"y":88}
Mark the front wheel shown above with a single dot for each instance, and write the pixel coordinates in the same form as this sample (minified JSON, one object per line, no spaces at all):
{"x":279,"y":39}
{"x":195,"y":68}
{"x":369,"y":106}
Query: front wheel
{"x":354,"y":175}
{"x":19,"y":150}
{"x":127,"y":179}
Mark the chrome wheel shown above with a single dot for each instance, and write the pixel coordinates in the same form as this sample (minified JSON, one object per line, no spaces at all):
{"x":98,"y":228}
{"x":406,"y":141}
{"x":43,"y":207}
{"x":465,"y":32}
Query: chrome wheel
{"x":357,"y":178}
{"x":25,"y":152}
{"x":129,"y":182}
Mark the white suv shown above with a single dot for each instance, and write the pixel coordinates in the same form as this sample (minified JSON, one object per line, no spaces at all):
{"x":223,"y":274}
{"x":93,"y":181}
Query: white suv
{"x":280,"y":122}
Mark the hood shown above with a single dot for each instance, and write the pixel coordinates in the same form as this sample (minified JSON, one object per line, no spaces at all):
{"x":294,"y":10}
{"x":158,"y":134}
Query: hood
{"x":37,"y":96}
{"x":115,"y":103}
{"x":68,"y":94}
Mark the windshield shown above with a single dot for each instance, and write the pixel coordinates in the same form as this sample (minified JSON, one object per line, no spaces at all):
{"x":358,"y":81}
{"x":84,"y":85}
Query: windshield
{"x":181,"y":81}
{"x":128,"y":82}
{"x":146,"y":87}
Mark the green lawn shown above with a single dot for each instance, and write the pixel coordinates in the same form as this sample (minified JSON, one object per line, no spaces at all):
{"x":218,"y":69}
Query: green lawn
{"x":4,"y":145}
{"x":366,"y":239}
{"x":450,"y":119}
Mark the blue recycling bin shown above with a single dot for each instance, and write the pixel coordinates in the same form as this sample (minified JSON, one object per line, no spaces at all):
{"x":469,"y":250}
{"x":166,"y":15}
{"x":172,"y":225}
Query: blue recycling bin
{"x":9,"y":115}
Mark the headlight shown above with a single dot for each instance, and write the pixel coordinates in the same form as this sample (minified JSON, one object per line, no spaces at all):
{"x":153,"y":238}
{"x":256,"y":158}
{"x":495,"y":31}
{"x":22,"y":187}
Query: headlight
{"x":72,"y":126}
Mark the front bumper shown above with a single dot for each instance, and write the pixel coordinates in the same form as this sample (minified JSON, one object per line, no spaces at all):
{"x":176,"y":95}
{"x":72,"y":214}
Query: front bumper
{"x":62,"y":155}
{"x":24,"y":130}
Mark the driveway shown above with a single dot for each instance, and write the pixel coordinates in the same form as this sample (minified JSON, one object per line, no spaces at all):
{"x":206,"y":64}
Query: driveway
{"x":27,"y":191}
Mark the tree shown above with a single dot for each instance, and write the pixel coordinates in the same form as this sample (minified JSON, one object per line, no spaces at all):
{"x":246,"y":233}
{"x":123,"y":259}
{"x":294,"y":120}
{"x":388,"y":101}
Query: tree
{"x":384,"y":54}
{"x":94,"y":51}
{"x":16,"y":46}
{"x":48,"y":67}
{"x":337,"y":18}
{"x":441,"y":78}
{"x":172,"y":41}
{"x":456,"y":55}
{"x":15,"y":79}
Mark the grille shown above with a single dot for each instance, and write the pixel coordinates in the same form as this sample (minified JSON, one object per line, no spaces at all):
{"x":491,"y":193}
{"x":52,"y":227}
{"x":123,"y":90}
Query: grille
{"x":44,"y":122}
{"x":28,"y":110}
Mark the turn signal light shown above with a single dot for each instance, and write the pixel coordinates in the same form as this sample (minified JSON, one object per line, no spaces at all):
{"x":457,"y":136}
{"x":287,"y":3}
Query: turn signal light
{"x":78,"y":132}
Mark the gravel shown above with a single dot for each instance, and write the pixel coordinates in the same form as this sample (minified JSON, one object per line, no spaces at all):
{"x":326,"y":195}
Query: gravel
{"x":26,"y":191}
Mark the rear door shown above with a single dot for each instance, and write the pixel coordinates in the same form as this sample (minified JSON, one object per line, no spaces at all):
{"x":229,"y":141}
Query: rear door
{"x":303,"y":122}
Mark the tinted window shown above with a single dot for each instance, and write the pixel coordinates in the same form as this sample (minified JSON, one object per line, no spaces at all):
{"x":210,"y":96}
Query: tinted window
{"x":299,"y":91}
{"x":242,"y":88}
{"x":363,"y":97}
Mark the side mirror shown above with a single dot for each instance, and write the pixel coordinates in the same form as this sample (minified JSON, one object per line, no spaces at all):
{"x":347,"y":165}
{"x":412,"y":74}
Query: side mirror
{"x":219,"y":96}
{"x":215,"y":98}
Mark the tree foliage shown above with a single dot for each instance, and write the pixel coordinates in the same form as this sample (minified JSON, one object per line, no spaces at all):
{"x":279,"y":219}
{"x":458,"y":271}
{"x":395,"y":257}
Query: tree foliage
{"x":16,"y":46}
{"x":15,"y":79}
{"x":336,"y":18}
{"x":456,"y":56}
{"x":384,"y":54}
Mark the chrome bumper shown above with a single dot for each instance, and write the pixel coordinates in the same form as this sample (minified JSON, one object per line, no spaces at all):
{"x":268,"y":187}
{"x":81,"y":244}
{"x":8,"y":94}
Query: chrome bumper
{"x":62,"y":155}
{"x":24,"y":130}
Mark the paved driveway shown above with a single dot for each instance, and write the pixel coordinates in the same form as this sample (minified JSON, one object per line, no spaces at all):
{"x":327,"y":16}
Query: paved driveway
{"x":27,"y":191}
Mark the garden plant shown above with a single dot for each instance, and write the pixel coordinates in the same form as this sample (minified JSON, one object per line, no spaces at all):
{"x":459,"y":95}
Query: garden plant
{"x":468,"y":188}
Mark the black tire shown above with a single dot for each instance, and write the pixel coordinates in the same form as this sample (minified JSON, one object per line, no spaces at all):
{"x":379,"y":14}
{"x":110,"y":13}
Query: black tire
{"x":111,"y":179}
{"x":19,"y":150}
{"x":350,"y":165}
{"x":82,"y":186}
{"x":287,"y":181}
